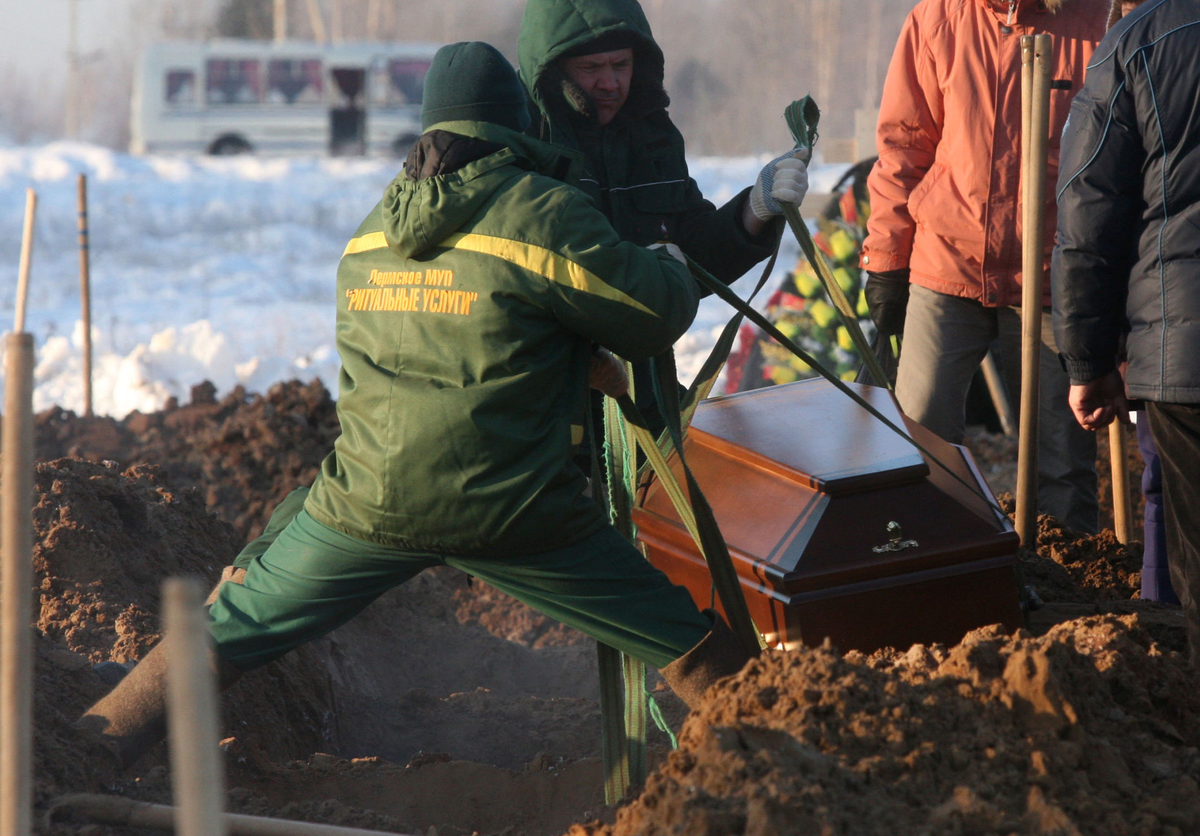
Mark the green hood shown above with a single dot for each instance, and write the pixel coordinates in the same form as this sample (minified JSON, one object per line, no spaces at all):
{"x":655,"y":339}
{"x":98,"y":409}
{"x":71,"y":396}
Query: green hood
{"x":420,"y":214}
{"x":553,"y":27}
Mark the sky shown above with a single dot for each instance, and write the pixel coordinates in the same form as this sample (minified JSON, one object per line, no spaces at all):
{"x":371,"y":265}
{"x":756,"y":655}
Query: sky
{"x":35,"y":32}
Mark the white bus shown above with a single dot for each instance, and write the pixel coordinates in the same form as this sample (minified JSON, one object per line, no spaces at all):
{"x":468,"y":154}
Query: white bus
{"x":293,"y":97}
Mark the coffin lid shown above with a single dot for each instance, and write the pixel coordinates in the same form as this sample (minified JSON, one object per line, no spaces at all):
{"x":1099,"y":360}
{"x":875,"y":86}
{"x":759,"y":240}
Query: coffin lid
{"x":812,"y":433}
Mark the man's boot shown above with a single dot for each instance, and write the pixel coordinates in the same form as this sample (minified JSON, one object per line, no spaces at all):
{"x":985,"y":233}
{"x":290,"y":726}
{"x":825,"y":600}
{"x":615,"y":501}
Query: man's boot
{"x":716,"y":655}
{"x":133,"y":717}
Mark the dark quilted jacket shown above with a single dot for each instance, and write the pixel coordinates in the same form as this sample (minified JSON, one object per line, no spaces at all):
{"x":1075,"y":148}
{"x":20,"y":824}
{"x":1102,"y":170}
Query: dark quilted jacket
{"x":1128,"y":252}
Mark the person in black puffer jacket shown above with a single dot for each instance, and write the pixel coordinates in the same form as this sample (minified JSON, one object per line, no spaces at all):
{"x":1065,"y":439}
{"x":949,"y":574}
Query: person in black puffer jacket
{"x":1127,"y":263}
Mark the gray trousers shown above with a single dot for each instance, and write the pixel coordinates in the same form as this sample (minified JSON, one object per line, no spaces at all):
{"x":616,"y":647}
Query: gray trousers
{"x":945,"y":340}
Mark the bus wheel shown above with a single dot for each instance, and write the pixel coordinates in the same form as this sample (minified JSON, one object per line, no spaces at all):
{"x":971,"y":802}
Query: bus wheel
{"x":403,"y":145}
{"x":229,"y":144}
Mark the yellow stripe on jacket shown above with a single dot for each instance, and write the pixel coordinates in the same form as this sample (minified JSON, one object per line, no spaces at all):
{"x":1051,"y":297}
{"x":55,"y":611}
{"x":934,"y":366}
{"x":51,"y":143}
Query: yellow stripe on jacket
{"x":546,"y":263}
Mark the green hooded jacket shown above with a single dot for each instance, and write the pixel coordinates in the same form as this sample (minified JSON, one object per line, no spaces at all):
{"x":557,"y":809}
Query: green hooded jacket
{"x":634,"y":167}
{"x":468,"y":304}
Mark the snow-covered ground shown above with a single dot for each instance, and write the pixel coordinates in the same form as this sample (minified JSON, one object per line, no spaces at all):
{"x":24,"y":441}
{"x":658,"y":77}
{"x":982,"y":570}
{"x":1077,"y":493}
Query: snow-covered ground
{"x":220,"y":268}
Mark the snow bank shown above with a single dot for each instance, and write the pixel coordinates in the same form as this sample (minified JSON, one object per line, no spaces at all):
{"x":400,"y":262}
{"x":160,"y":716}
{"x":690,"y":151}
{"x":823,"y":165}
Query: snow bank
{"x":220,"y":268}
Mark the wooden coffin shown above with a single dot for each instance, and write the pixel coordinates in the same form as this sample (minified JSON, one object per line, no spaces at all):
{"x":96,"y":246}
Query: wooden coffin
{"x":837,"y":526}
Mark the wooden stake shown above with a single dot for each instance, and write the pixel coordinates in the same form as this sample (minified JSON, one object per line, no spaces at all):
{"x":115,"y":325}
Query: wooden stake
{"x":125,"y":812}
{"x":192,"y":713}
{"x":317,"y":22}
{"x":16,"y":579}
{"x":279,"y":21}
{"x":85,"y":295}
{"x":1122,"y":504}
{"x":1036,"y":53}
{"x":26,"y":257}
{"x":995,"y":385}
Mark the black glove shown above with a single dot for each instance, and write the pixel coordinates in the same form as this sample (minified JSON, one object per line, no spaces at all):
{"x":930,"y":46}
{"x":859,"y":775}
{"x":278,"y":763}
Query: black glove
{"x":887,"y":299}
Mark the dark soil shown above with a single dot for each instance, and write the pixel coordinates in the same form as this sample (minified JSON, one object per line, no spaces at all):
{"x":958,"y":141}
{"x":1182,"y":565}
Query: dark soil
{"x":449,"y":708}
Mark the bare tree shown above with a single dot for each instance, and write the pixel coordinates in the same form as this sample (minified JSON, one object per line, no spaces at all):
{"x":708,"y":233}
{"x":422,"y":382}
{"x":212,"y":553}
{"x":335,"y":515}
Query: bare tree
{"x":30,"y":109}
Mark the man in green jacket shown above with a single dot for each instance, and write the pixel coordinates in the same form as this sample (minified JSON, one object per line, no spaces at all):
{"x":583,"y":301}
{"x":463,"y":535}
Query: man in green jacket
{"x":595,"y":74}
{"x":469,"y":302}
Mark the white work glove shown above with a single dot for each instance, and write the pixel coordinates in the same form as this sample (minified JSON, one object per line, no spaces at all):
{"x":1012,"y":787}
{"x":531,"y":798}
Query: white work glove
{"x":672,"y":249}
{"x":783,"y":180}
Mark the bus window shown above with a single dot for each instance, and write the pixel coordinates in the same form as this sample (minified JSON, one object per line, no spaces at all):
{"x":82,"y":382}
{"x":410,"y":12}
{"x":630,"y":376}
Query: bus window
{"x":233,"y":82}
{"x":181,"y":87}
{"x":407,"y":81}
{"x":294,"y":81}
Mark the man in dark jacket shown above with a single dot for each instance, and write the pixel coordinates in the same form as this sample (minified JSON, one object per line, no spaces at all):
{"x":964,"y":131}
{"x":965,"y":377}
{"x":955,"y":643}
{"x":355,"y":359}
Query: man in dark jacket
{"x":469,"y":301}
{"x":1127,"y":263}
{"x":595,"y":74}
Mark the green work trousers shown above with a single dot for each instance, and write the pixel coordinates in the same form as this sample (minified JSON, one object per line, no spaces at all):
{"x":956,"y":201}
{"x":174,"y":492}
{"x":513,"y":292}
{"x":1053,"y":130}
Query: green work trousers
{"x":304,"y":579}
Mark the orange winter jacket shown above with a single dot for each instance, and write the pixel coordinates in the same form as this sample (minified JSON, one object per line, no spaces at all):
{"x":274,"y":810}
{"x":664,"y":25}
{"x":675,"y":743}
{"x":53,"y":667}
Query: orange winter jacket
{"x":945,"y":194}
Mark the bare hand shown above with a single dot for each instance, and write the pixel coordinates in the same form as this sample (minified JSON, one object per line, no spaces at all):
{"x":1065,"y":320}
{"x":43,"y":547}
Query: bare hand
{"x":607,"y":373}
{"x":1097,"y":402}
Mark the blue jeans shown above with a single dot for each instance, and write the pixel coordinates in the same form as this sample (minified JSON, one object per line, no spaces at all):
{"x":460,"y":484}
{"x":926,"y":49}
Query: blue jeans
{"x":1156,"y":571}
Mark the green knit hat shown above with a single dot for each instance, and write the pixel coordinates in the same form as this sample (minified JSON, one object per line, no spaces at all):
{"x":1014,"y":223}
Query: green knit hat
{"x":473,"y":81}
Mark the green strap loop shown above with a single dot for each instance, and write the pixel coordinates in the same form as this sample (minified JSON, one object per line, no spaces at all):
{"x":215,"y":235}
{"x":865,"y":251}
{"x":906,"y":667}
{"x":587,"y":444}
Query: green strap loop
{"x":801,"y":116}
{"x":659,"y":720}
{"x":622,"y":678}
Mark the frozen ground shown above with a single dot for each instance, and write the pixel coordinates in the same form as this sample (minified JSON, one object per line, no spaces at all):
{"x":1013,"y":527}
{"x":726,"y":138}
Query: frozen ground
{"x":219,"y":268}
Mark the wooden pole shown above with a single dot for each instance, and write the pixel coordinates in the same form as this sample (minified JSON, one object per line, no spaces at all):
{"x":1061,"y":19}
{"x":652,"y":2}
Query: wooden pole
{"x":995,"y":385}
{"x":336,"y":19}
{"x":279,"y":21}
{"x":317,"y":22}
{"x":125,"y":812}
{"x":373,"y":20}
{"x":74,"y":96}
{"x":16,"y":581}
{"x":1122,"y":503}
{"x":85,"y":295}
{"x":1035,"y":76}
{"x":198,"y":780}
{"x":26,"y":257}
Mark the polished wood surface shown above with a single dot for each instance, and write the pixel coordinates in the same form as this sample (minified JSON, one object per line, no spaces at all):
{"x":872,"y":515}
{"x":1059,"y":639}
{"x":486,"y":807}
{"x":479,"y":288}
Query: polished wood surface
{"x":811,"y":432}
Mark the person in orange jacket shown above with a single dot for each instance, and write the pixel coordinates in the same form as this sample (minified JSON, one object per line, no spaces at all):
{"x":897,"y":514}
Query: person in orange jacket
{"x":943,"y":246}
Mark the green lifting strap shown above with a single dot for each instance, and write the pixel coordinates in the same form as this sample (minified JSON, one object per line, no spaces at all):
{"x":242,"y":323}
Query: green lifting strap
{"x":703,"y":383}
{"x":613,"y":744}
{"x":802,"y":116}
{"x":635,"y":718}
{"x":623,"y":679}
{"x":697,"y":517}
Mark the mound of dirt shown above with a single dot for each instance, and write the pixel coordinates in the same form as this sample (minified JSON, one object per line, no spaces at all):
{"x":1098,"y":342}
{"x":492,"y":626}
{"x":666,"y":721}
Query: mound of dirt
{"x":447,"y":705}
{"x":246,"y":452}
{"x":406,"y":682}
{"x":104,"y":541}
{"x":1088,"y":729}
